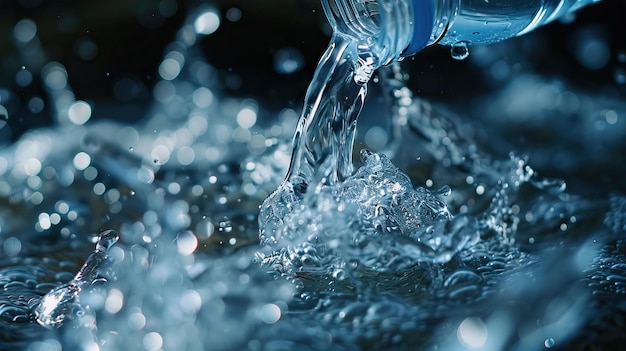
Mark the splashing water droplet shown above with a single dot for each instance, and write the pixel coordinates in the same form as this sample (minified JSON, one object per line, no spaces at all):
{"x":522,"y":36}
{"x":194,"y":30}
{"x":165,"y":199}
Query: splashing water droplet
{"x":459,"y":50}
{"x":61,"y":303}
{"x":106,"y":239}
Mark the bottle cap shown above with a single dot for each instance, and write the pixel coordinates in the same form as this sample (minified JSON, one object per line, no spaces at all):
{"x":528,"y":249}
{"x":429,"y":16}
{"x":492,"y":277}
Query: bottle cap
{"x":423,"y":18}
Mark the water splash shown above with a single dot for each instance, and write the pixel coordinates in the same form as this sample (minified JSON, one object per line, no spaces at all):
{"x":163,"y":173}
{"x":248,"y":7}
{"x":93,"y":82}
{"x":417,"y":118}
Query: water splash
{"x":62,"y":303}
{"x":374,"y":220}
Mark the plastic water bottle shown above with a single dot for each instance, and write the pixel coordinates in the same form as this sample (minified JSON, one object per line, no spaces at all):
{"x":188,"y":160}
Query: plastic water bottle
{"x":398,"y":28}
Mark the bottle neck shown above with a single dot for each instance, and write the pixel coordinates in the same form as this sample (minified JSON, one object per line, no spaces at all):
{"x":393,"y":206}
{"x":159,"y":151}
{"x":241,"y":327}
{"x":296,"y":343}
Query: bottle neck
{"x":423,"y":12}
{"x":384,"y":26}
{"x":392,"y":29}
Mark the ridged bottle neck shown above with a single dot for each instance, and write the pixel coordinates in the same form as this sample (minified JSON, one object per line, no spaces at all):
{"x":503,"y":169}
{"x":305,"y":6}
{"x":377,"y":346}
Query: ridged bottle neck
{"x":385,"y":26}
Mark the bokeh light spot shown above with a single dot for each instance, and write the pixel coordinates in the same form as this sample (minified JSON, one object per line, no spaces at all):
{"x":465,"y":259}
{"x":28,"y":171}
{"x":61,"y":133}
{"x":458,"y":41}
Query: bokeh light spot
{"x":472,"y":333}
{"x":207,"y":23}
{"x":79,"y":112}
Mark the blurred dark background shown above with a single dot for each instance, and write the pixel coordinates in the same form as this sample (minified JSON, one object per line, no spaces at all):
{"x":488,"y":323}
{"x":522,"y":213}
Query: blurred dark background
{"x":106,"y":43}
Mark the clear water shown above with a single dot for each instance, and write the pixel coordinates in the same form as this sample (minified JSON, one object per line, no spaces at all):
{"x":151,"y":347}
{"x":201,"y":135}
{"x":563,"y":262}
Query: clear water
{"x":436,"y":243}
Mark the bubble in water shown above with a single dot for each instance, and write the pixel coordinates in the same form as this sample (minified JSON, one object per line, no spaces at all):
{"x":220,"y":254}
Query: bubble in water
{"x":459,"y":50}
{"x":549,"y":343}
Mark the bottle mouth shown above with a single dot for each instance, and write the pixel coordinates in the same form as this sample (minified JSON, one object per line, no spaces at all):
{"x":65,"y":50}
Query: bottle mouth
{"x":381,"y":25}
{"x":422,"y":25}
{"x":391,"y":28}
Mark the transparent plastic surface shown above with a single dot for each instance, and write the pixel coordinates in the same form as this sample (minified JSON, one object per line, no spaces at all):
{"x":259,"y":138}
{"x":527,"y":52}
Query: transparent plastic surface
{"x":387,"y":25}
{"x":382,"y":25}
{"x":491,"y":21}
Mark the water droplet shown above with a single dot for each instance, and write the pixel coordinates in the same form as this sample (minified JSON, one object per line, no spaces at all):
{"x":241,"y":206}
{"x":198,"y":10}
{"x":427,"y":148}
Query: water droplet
{"x":459,"y":50}
{"x":552,"y":185}
{"x":106,"y":239}
{"x":444,"y":191}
